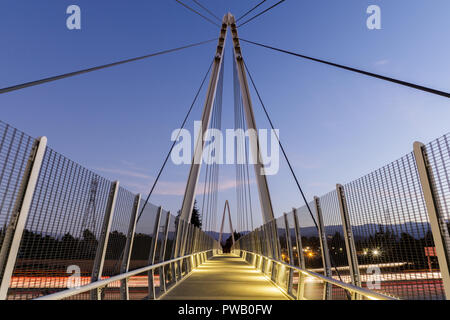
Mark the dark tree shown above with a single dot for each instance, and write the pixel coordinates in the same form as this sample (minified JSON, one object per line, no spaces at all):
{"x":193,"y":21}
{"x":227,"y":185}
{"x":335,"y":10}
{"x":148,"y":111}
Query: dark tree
{"x":226,"y":248}
{"x":195,"y":218}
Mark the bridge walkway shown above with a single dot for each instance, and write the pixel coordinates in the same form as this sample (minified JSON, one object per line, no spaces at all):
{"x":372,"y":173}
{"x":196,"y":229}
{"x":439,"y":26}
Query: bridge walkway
{"x":226,"y":277}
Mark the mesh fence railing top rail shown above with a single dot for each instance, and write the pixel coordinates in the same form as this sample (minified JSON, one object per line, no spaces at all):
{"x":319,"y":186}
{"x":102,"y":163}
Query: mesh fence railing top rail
{"x":65,"y":221}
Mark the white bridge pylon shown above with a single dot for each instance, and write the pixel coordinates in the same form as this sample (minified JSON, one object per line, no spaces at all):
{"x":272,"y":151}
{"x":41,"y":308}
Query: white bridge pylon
{"x":228,"y":22}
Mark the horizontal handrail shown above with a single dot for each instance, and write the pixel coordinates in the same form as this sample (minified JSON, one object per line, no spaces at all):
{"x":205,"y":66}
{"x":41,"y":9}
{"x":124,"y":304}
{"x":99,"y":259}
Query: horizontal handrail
{"x":352,"y":288}
{"x":103,"y":283}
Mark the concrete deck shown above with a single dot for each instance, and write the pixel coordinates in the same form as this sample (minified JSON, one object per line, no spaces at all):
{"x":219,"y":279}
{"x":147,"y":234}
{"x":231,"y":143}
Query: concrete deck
{"x":225,"y":277}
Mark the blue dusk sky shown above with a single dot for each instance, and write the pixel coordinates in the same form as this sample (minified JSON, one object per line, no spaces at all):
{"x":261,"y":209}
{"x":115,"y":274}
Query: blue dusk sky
{"x":336,"y":125}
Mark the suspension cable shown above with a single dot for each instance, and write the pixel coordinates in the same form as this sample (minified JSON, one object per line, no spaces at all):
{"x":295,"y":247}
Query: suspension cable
{"x":370,"y":74}
{"x":251,"y":10}
{"x":71,"y":74}
{"x":195,"y":11}
{"x":261,"y":13}
{"x":175,"y":141}
{"x":291,"y":169}
{"x":209,"y":11}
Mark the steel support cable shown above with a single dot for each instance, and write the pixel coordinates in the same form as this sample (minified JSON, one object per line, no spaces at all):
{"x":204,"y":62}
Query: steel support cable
{"x":205,"y":196}
{"x":75,"y":73}
{"x":370,"y":74}
{"x":209,"y":178}
{"x":244,"y":168}
{"x":204,"y":217}
{"x":240,"y":166}
{"x":248,"y":186}
{"x":195,"y":11}
{"x":211,"y":169}
{"x":214,"y":169}
{"x":244,"y":152}
{"x":175,"y":141}
{"x":218,"y":125}
{"x":236,"y":99}
{"x":261,"y":13}
{"x":207,"y":10}
{"x":291,"y":169}
{"x":250,"y":11}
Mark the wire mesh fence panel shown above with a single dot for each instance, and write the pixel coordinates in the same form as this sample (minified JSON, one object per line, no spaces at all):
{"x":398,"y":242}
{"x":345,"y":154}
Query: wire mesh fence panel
{"x":335,"y":241}
{"x":15,"y":150}
{"x":282,"y":276}
{"x":282,"y":239}
{"x":62,"y":229}
{"x":118,"y":233}
{"x":143,"y":236}
{"x":117,"y":240}
{"x":438,"y":152}
{"x":295,"y":251}
{"x":112,"y":291}
{"x":260,"y":241}
{"x":160,"y":237}
{"x":310,"y":239}
{"x":159,"y":251}
{"x":169,"y":270}
{"x":392,"y":232}
{"x":293,"y":239}
{"x":311,"y":250}
{"x":138,"y":286}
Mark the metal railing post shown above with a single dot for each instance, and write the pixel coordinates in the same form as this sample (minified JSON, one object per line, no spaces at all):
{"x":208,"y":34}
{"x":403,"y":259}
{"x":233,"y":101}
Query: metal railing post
{"x":291,"y":254}
{"x":152,"y":253}
{"x":349,"y":240}
{"x":172,"y":256}
{"x":324,"y":246}
{"x":100,"y":255}
{"x":437,"y":221}
{"x":187,"y":249}
{"x":301,"y":258}
{"x":16,"y":226}
{"x":124,"y":293}
{"x":176,"y":245}
{"x":277,"y":240}
{"x":162,"y":274}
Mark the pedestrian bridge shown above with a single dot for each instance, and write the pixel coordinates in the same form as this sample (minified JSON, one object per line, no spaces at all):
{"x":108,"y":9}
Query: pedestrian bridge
{"x":68,"y":233}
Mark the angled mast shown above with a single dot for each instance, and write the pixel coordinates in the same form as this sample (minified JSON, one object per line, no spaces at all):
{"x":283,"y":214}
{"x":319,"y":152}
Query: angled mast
{"x":227,"y":206}
{"x":263,"y":188}
{"x":194,"y":173}
{"x":191,"y":186}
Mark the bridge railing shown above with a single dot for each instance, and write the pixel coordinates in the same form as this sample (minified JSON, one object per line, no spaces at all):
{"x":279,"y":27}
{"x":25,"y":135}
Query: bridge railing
{"x":387,"y":231}
{"x":84,"y":292}
{"x":306,"y":278}
{"x":62,"y":225}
